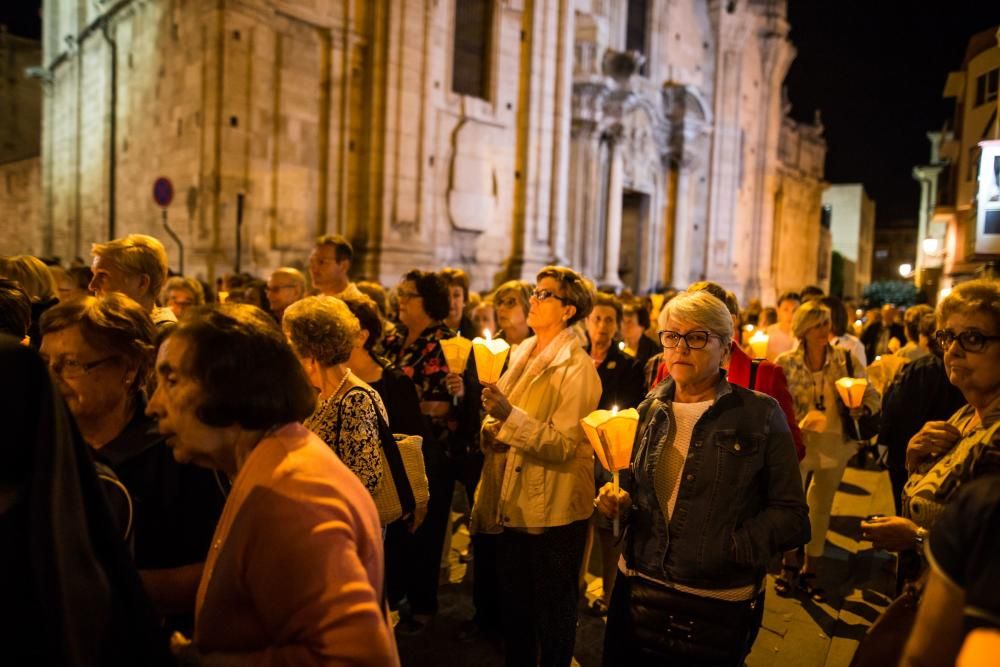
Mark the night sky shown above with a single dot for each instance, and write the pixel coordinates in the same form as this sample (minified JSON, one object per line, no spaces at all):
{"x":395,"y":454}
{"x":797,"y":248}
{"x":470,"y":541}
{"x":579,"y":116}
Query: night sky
{"x":875,"y":68}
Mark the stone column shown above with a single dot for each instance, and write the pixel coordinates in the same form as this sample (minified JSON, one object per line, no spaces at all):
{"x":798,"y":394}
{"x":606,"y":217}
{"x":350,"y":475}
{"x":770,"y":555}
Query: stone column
{"x":612,"y":242}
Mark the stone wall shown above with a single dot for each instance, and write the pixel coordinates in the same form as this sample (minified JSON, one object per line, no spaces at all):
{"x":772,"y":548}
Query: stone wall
{"x":20,"y":207}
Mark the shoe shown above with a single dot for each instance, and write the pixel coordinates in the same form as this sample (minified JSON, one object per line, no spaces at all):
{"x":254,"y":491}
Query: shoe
{"x":807,"y":588}
{"x":785,"y":582}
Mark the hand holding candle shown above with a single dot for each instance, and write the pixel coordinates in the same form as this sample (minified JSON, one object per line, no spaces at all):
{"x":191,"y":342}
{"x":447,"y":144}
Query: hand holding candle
{"x":456,"y":354}
{"x":612,"y":434}
{"x":852,"y":393}
{"x":491,"y":353}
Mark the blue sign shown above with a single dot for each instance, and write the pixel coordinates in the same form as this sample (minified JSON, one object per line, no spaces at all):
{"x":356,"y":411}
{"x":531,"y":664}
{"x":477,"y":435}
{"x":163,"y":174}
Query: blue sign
{"x":163,"y":192}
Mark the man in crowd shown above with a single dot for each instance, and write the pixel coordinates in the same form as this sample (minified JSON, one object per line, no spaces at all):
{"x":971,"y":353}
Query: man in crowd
{"x":780,"y":338}
{"x":330,"y":266}
{"x":285,"y":286}
{"x":135,"y":266}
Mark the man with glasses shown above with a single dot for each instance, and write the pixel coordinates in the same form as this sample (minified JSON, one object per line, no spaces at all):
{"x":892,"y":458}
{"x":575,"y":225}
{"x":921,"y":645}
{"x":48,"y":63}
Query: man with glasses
{"x":285,"y":286}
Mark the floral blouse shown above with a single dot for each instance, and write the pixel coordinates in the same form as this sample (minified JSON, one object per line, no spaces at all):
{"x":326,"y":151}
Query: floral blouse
{"x":359,"y":445}
{"x":423,"y":362}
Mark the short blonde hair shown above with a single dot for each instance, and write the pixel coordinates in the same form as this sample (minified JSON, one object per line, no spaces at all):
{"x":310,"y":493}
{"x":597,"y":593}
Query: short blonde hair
{"x":975,"y":296}
{"x":808,"y":315}
{"x":702,"y":309}
{"x":32,"y":274}
{"x":137,"y":254}
{"x":577,"y":291}
{"x":322,"y":328}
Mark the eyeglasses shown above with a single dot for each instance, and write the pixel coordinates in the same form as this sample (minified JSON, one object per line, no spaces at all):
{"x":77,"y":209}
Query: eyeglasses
{"x":695,"y":340}
{"x":406,"y":295}
{"x":970,"y":340}
{"x":541,"y":295}
{"x":70,"y":369}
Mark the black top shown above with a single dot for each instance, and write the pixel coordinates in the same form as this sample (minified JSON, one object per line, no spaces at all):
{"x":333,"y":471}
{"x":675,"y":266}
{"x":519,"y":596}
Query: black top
{"x":963,"y":546}
{"x":399,"y":396}
{"x":622,"y":384}
{"x":647,"y":348}
{"x":69,"y":594}
{"x":920,"y":393}
{"x":175,"y":505}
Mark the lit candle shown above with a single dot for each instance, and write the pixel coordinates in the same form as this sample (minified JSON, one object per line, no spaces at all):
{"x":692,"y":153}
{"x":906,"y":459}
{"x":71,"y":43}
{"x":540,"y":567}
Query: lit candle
{"x":491,"y":353}
{"x":758,"y":344}
{"x":612,"y":434}
{"x":456,"y":353}
{"x":852,"y":393}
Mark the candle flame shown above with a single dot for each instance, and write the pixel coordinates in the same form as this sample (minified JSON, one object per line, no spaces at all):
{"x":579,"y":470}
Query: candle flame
{"x":621,"y":346}
{"x":486,"y":334}
{"x":614,"y":410}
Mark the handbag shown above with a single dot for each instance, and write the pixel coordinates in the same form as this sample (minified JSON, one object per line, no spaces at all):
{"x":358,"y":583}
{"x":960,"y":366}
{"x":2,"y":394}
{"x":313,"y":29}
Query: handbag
{"x":866,"y":425}
{"x":885,"y":640}
{"x":403,"y":492}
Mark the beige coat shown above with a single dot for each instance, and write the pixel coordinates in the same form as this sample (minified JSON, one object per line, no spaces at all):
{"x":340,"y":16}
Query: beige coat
{"x":546,"y":478}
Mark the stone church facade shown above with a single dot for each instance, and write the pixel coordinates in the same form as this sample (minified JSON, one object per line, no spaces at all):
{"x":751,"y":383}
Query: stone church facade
{"x":639,"y":141}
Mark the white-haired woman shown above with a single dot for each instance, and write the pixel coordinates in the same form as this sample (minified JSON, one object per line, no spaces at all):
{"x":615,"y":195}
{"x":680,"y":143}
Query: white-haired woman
{"x":714,"y":494}
{"x":322,"y":331}
{"x":812,"y":370}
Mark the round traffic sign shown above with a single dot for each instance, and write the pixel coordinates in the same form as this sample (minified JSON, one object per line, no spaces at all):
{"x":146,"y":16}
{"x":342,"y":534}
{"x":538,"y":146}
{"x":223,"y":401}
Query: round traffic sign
{"x":163,"y":192}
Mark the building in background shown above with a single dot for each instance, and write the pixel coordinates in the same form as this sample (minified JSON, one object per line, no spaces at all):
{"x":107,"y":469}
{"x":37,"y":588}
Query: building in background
{"x":645,"y":143}
{"x":894,"y":251}
{"x":20,"y":142}
{"x":958,"y":244}
{"x":852,"y":227}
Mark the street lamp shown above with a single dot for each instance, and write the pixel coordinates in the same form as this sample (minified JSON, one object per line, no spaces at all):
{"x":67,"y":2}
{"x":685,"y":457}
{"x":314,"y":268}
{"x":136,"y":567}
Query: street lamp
{"x":905,"y":270}
{"x":930,"y":245}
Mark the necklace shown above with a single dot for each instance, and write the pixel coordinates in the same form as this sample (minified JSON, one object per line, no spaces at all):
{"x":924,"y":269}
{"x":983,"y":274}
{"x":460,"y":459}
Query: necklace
{"x":340,"y":386}
{"x":819,"y":396}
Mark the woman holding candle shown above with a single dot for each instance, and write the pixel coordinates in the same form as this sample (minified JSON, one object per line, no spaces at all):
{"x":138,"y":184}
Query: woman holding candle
{"x":545,"y":477}
{"x":812,"y":370}
{"x":714,"y":493}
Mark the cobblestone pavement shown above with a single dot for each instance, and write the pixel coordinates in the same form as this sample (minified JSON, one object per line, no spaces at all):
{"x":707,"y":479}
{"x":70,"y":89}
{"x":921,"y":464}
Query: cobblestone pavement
{"x":795,"y":632}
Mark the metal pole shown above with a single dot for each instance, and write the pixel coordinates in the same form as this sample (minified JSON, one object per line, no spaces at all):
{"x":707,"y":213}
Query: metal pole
{"x":177,"y":240}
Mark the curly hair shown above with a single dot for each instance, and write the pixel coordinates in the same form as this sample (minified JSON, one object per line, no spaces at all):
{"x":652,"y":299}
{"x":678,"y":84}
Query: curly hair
{"x":321,"y":328}
{"x":113,"y":324}
{"x":975,"y":296}
{"x":433,"y":289}
{"x":246,"y":371}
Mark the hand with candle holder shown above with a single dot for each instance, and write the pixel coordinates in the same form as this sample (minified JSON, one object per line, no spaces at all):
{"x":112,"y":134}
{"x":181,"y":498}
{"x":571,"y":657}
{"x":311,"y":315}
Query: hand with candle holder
{"x":611,"y":434}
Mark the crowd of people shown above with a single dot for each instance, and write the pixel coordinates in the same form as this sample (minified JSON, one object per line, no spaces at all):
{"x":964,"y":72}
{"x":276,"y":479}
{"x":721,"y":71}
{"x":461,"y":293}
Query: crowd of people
{"x":199,"y":473}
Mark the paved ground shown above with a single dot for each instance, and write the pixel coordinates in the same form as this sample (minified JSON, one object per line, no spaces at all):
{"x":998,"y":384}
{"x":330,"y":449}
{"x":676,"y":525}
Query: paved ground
{"x":795,"y":632}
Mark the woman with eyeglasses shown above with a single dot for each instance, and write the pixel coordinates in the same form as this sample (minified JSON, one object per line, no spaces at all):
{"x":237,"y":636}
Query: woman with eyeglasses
{"x":513,"y":301}
{"x":415,"y":348}
{"x":100,"y":352}
{"x":812,"y":369}
{"x":943,"y":455}
{"x":714,"y":493}
{"x":538,"y":477}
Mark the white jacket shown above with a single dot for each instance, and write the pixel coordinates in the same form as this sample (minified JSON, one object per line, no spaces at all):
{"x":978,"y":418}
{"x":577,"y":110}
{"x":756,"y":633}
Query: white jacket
{"x":548,"y":473}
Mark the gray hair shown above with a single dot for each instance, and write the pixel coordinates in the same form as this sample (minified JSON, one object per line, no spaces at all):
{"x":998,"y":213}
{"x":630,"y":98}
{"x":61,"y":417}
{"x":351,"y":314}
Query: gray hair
{"x":322,"y":328}
{"x":975,"y":296}
{"x":702,"y":309}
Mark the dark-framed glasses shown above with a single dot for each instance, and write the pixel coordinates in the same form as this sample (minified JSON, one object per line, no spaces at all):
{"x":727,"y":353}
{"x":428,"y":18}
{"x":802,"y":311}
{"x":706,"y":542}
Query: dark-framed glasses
{"x":695,"y":340}
{"x":70,"y":368}
{"x":970,"y":340}
{"x":541,"y":295}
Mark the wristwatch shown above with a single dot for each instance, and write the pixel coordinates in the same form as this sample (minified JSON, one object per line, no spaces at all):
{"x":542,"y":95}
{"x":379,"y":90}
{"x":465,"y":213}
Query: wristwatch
{"x":921,"y":536}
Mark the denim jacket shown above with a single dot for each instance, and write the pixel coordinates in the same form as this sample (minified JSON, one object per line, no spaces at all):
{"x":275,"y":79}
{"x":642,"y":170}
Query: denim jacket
{"x":740,"y":499}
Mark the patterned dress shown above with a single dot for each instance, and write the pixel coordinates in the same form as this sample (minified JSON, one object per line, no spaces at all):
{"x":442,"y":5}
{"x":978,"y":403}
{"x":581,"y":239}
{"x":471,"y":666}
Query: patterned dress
{"x":358,"y":446}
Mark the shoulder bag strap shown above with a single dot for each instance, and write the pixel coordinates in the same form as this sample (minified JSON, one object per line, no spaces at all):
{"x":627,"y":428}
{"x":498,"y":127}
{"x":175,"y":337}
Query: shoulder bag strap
{"x":395,"y":460}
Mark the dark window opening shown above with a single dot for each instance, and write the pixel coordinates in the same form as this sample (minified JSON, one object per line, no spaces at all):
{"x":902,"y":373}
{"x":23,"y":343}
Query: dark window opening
{"x":986,"y":86}
{"x":635,"y":30}
{"x":471,"y":61}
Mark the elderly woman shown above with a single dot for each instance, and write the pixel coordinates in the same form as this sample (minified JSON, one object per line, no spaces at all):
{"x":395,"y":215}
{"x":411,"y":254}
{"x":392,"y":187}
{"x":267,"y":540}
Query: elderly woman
{"x":512,"y":302}
{"x":100,"y":353}
{"x":715,"y":493}
{"x":294,"y":575}
{"x":539,"y":475}
{"x":415,"y":349}
{"x":323,"y":332}
{"x":944,"y":455}
{"x":180,"y":294}
{"x":812,"y":370}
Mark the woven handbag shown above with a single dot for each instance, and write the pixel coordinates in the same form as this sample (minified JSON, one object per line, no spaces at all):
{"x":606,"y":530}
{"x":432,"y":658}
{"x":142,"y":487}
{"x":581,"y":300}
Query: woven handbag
{"x":403,"y":492}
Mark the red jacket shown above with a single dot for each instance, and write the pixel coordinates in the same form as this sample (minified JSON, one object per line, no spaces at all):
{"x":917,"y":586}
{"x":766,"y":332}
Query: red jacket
{"x":770,"y":380}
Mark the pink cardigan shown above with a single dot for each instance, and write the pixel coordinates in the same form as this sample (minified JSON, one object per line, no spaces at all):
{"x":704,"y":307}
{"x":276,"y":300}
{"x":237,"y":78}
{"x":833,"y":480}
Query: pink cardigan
{"x":295,"y":572}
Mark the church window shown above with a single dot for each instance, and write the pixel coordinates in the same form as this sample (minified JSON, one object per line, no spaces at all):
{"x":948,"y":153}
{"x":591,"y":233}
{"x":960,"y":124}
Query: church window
{"x":636,"y":37}
{"x":471,"y":54}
